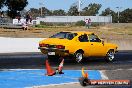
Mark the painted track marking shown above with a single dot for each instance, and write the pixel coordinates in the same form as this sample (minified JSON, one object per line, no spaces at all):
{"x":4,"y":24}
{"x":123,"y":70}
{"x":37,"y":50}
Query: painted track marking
{"x":35,"y":77}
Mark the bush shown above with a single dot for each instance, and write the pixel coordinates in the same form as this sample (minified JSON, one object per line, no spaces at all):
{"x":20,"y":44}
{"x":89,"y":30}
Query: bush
{"x":53,"y":24}
{"x":40,"y":26}
{"x":80,"y":23}
{"x":60,"y":24}
{"x":95,"y":24}
{"x":46,"y":24}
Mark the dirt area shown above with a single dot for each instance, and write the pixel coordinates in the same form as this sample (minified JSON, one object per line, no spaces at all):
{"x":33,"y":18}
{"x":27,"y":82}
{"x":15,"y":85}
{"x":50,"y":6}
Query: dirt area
{"x":109,"y":31}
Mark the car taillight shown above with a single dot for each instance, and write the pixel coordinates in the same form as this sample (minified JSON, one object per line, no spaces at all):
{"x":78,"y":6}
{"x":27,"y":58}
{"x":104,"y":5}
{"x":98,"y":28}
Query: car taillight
{"x":40,"y":45}
{"x":60,"y":46}
{"x":43,"y":45}
{"x":46,"y":45}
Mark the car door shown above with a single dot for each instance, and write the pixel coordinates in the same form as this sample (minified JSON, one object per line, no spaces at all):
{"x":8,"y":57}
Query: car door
{"x":97,"y":48}
{"x":83,"y":43}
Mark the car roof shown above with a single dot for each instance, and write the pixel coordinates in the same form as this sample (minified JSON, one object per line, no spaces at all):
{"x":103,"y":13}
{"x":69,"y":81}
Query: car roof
{"x":79,"y":32}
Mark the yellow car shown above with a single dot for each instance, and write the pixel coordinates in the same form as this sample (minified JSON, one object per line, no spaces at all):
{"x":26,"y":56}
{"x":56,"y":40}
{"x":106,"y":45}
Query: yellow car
{"x":78,"y":44}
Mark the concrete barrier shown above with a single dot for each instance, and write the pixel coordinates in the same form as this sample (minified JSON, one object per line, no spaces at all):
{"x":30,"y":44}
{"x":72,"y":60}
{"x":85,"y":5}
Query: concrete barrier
{"x":123,"y":44}
{"x":18,"y":45}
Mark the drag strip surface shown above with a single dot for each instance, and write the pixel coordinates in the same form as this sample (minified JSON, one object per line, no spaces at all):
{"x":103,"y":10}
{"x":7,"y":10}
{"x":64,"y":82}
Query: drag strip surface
{"x":37,"y":60}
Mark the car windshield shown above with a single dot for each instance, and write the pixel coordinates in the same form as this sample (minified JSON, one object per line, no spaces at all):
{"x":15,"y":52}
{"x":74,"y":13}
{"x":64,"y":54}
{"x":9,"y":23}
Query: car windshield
{"x":64,"y":35}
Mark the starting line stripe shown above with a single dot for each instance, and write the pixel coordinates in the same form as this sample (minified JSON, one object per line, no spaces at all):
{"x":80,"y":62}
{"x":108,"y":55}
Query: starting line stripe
{"x":103,"y":75}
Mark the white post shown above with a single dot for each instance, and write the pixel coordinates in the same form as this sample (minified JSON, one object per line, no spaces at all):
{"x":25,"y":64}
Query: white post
{"x":79,"y":6}
{"x":41,"y":5}
{"x":118,"y":13}
{"x":41,"y":11}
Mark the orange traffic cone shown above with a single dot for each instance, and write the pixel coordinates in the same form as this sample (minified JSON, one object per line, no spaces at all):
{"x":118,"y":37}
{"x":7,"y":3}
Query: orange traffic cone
{"x":85,"y":75}
{"x":50,"y":72}
{"x":61,"y":66}
{"x":59,"y":69}
{"x":84,"y":80}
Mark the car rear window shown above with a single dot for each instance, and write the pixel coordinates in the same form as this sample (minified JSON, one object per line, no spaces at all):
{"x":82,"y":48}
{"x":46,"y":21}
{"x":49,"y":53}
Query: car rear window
{"x":64,"y":35}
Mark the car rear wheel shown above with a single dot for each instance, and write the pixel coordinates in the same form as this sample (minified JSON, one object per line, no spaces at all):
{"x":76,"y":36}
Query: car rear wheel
{"x":110,"y":56}
{"x":78,"y":56}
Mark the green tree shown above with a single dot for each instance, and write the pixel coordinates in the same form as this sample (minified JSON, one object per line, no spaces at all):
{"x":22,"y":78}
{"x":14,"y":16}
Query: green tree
{"x":14,"y":6}
{"x":73,"y":11}
{"x":107,"y":12}
{"x":37,"y":12}
{"x":126,"y":16}
{"x":45,"y":11}
{"x":34,"y":12}
{"x":12,"y":13}
{"x":24,"y":12}
{"x":91,"y":10}
{"x":59,"y":12}
{"x":1,"y":3}
{"x":17,"y":5}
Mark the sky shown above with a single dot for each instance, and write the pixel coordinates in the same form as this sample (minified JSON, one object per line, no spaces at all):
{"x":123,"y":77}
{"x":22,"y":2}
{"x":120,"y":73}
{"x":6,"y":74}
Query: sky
{"x":65,"y":4}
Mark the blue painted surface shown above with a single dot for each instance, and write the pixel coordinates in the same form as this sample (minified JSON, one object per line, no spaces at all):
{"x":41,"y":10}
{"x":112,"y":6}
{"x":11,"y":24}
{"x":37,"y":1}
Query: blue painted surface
{"x":29,"y":78}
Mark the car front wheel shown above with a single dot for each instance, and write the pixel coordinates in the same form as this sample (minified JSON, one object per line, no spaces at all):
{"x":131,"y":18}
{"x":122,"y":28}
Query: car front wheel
{"x":110,"y":56}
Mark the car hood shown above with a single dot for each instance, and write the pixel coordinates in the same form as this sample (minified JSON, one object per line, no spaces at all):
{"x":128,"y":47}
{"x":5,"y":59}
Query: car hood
{"x":55,"y":41}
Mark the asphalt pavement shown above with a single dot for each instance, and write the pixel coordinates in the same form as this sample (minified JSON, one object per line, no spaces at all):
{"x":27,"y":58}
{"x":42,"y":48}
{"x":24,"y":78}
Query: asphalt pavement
{"x":37,"y":61}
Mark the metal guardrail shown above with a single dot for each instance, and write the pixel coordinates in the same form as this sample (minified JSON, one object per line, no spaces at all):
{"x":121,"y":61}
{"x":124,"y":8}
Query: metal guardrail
{"x":10,"y":26}
{"x":7,"y":23}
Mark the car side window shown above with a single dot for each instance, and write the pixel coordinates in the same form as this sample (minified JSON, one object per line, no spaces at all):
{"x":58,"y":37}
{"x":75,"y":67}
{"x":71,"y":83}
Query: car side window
{"x":70,"y":36}
{"x":83,"y":38}
{"x":94,"y":38}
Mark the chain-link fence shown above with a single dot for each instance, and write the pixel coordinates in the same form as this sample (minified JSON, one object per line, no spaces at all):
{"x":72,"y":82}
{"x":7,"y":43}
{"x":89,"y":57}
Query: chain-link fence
{"x":7,"y":23}
{"x":5,"y":20}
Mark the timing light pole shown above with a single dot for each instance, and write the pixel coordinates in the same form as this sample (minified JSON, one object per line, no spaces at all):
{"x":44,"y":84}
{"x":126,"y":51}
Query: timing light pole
{"x":79,"y":6}
{"x":41,"y":4}
{"x":118,"y":13}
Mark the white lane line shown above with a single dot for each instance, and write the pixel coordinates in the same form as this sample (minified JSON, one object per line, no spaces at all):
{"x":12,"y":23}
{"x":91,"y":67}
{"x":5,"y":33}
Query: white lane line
{"x":28,"y":87}
{"x":103,"y":74}
{"x":122,"y":69}
{"x":18,"y":69}
{"x":55,"y":84}
{"x":130,"y":69}
{"x":117,"y":69}
{"x":120,"y":62}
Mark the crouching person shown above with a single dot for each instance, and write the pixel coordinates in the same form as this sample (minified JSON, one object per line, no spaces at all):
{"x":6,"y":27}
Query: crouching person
{"x":24,"y":26}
